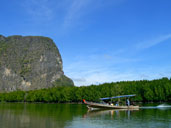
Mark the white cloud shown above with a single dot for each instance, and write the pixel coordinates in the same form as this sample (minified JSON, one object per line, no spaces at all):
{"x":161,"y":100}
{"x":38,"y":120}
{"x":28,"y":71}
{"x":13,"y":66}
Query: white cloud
{"x":95,"y":69}
{"x":79,"y":8}
{"x":74,"y":12}
{"x":65,"y":14}
{"x":103,"y":76}
{"x":38,"y":9}
{"x":153,"y":42}
{"x":111,"y":67}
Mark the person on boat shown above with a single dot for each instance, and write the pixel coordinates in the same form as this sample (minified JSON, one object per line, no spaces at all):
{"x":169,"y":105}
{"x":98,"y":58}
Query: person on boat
{"x":84,"y":100}
{"x":128,"y":102}
{"x":117,"y":104}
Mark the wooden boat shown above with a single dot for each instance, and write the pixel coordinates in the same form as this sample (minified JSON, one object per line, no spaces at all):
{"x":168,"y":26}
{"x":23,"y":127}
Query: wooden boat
{"x":110,"y":106}
{"x":107,"y":106}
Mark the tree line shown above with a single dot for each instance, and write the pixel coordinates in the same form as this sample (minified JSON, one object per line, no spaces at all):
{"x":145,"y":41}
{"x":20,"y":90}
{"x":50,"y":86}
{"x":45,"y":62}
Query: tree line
{"x":146,"y":91}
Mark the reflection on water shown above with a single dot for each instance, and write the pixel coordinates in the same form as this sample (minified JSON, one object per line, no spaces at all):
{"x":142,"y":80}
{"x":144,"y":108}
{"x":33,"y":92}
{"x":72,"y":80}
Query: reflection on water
{"x":143,"y":118}
{"x":25,"y":115}
{"x":114,"y":113}
{"x":19,"y":115}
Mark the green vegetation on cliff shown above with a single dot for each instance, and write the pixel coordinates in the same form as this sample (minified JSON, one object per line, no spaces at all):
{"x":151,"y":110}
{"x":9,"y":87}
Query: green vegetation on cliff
{"x":146,"y":91}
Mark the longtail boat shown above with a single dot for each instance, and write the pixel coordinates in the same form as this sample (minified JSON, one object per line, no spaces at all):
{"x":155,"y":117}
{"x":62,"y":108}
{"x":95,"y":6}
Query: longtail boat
{"x":104,"y":105}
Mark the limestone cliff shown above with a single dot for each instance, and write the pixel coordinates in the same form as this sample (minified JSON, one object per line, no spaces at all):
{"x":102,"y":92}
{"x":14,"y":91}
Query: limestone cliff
{"x":30,"y":62}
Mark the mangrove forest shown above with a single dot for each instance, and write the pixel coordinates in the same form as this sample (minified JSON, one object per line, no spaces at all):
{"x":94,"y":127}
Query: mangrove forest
{"x":158,"y":90}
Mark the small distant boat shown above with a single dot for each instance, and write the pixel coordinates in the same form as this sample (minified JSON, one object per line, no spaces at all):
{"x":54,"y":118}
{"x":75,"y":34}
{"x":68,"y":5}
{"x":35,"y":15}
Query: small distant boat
{"x":92,"y":105}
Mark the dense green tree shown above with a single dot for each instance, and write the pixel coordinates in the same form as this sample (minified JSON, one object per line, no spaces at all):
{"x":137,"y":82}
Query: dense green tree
{"x":155,"y":90}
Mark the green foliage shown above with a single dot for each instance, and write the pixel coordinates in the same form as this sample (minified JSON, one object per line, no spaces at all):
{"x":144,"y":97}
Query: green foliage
{"x":3,"y":47}
{"x":17,"y":96}
{"x":146,"y":91}
{"x":25,"y":70}
{"x":63,"y":81}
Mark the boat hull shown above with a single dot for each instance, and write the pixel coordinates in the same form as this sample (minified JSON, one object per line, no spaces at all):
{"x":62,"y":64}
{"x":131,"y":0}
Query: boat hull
{"x":106,"y":106}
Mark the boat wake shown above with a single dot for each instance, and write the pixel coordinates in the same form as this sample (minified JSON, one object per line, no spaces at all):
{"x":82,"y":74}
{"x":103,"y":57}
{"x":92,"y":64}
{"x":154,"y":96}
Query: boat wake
{"x":161,"y":106}
{"x":164,"y":106}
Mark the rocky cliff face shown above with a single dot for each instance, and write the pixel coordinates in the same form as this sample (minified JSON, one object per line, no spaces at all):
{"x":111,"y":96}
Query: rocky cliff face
{"x":31,"y":62}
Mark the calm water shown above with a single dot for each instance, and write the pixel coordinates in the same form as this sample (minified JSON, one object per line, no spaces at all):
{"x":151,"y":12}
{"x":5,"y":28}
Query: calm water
{"x":25,"y":115}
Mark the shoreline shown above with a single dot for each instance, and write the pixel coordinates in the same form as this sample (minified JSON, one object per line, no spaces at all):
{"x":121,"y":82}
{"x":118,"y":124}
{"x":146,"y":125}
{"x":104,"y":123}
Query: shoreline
{"x":80,"y":102}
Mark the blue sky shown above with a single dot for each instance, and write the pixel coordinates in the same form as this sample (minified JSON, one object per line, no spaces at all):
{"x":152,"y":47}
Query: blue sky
{"x":99,"y":40}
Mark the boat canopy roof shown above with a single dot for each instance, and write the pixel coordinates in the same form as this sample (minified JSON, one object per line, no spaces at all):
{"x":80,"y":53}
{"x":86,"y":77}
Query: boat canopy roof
{"x":117,"y":97}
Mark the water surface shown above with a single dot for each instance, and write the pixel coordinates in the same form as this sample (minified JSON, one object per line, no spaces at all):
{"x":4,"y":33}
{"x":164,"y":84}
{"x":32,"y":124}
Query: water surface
{"x":29,"y":115}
